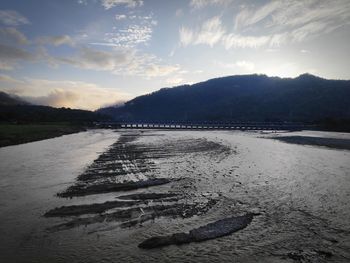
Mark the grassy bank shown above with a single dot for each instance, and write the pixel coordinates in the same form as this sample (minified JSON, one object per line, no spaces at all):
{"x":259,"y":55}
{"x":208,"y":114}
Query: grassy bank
{"x":11,"y":134}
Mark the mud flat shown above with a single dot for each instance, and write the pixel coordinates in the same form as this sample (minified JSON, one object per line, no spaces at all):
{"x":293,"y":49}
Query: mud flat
{"x":126,"y":166}
{"x":317,"y":141}
{"x":128,"y":201}
{"x":217,"y":229}
{"x":157,"y":188}
{"x":126,"y":159}
{"x":106,"y":187}
{"x":148,"y":196}
{"x":130,"y":216}
{"x":76,"y":210}
{"x":205,"y":178}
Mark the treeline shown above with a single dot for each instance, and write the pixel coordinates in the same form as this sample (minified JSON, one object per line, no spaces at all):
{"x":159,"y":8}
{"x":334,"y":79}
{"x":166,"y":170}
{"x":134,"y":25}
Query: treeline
{"x":333,"y":124}
{"x":39,"y":114}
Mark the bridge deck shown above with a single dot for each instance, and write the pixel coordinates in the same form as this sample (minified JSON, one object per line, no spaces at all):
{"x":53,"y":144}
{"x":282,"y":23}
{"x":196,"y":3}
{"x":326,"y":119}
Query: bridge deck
{"x":205,"y":126}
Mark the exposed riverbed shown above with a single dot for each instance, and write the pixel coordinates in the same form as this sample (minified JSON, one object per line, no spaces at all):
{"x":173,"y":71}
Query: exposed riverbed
{"x":97,"y":195}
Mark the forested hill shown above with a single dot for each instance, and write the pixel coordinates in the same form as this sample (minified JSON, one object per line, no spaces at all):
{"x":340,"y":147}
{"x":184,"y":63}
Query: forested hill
{"x":243,"y":98}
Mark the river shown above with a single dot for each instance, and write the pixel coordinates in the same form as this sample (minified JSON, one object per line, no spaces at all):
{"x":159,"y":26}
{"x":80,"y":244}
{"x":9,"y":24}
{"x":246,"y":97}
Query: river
{"x":299,"y":193}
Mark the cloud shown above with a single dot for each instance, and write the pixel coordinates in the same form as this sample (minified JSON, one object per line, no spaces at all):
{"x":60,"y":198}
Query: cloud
{"x":145,"y":65}
{"x":298,"y":13}
{"x":293,"y":13}
{"x":108,"y":4}
{"x":89,"y":58}
{"x":12,"y":18}
{"x":249,"y":17}
{"x":275,"y":40}
{"x":11,"y":35}
{"x":6,"y":65}
{"x":120,"y":61}
{"x":293,"y":21}
{"x":8,"y":79}
{"x":186,"y":36}
{"x":155,"y":70}
{"x":139,"y":31}
{"x":239,"y":41}
{"x":198,"y":4}
{"x":13,"y":55}
{"x":72,"y":94}
{"x":272,"y":24}
{"x":210,"y":33}
{"x":9,"y":56}
{"x":284,"y":70}
{"x":83,"y":2}
{"x":56,"y":98}
{"x":246,"y":66}
{"x":120,"y":17}
{"x":132,"y":36}
{"x":56,"y":40}
{"x":174,"y":80}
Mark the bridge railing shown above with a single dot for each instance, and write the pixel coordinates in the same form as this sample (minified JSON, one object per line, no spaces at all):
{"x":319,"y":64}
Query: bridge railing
{"x":206,"y":125}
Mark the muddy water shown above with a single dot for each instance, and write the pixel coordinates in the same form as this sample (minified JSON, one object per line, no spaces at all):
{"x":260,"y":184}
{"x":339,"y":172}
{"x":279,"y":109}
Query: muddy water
{"x":301,"y":194}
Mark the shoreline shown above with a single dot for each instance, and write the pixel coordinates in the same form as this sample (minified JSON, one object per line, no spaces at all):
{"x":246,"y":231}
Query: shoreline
{"x":15,"y":134}
{"x":332,"y":143}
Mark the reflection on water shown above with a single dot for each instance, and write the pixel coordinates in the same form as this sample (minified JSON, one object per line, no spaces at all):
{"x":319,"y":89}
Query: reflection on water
{"x":31,"y":175}
{"x":301,"y":192}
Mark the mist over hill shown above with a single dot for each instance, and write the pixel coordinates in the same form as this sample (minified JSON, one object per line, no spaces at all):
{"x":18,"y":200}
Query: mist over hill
{"x":243,"y":98}
{"x":10,"y":100}
{"x":16,"y":110}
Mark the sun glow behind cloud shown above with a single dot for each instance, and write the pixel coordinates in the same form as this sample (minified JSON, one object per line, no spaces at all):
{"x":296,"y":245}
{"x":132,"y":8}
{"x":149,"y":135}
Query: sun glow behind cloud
{"x":71,"y":94}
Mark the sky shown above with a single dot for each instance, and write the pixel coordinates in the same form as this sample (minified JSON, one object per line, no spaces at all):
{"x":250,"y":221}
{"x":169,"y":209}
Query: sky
{"x":91,"y":53}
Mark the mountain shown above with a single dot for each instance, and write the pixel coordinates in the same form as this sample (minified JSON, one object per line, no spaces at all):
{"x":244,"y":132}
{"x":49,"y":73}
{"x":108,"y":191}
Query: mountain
{"x":8,"y":100}
{"x":243,"y":98}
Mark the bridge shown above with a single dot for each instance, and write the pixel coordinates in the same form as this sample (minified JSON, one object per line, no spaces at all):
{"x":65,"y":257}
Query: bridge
{"x":205,"y":125}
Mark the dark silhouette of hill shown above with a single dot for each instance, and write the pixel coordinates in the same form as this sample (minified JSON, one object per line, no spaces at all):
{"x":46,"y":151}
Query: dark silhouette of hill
{"x":7,"y":100}
{"x":15,"y":110}
{"x":306,"y":98}
{"x":37,"y":114}
{"x":21,"y":122}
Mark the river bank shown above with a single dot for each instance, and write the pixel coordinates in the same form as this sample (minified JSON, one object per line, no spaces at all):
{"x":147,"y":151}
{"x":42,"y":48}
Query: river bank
{"x":13,"y":134}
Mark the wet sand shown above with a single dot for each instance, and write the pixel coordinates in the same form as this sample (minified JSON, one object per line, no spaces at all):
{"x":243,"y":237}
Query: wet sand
{"x":194,"y":196}
{"x":317,"y":141}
